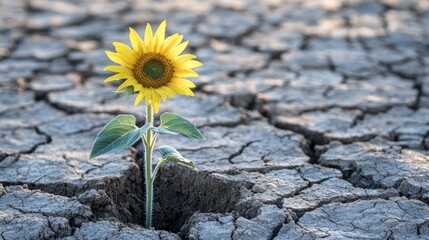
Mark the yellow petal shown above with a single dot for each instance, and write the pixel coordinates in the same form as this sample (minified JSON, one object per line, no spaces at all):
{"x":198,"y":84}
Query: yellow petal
{"x":160,"y":32}
{"x":118,"y":59}
{"x":176,"y":51}
{"x":169,"y":91}
{"x":126,"y":52}
{"x":155,"y":102}
{"x":125,"y":84}
{"x":161,"y":93}
{"x":148,"y":93}
{"x":185,"y":73}
{"x":190,"y":64}
{"x":159,"y":36}
{"x":139,"y":98}
{"x":137,"y":87}
{"x":136,"y":41}
{"x":171,"y":42}
{"x":183,"y":58}
{"x":183,"y":82}
{"x":116,"y":77}
{"x":118,"y":69}
{"x":180,"y":89}
{"x":148,"y":38}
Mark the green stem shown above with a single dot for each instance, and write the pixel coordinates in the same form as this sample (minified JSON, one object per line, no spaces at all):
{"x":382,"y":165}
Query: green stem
{"x":149,"y":144}
{"x":155,"y":171}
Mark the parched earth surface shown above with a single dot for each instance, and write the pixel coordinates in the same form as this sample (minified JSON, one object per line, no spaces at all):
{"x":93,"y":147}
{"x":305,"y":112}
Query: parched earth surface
{"x":316,"y":115}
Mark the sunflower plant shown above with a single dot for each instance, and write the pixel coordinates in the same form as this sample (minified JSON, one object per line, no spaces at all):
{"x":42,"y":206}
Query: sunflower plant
{"x":151,"y":69}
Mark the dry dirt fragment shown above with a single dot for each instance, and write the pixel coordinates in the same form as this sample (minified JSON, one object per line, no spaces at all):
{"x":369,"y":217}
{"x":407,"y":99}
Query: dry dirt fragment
{"x":396,"y":218}
{"x":118,"y":231}
{"x":380,"y":163}
{"x":27,"y":214}
{"x":257,"y":146}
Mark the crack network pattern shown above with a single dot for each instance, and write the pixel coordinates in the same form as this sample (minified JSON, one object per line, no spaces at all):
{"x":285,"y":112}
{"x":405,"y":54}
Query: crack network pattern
{"x":316,"y":115}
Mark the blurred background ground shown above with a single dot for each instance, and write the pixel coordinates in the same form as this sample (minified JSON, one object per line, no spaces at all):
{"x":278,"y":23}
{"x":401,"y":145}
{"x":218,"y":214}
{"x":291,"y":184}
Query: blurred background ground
{"x":316,"y":114}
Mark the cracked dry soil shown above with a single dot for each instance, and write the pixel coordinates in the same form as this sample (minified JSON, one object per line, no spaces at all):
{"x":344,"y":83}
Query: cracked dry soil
{"x":316,"y":115}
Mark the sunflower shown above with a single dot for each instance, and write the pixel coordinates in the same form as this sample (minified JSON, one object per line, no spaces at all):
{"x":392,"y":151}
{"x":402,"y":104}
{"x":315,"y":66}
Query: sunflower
{"x":153,"y":68}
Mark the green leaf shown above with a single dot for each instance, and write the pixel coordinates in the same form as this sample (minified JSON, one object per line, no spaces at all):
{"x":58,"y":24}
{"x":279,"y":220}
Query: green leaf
{"x":179,"y":124}
{"x":170,"y":154}
{"x":118,"y":134}
{"x":163,"y":131}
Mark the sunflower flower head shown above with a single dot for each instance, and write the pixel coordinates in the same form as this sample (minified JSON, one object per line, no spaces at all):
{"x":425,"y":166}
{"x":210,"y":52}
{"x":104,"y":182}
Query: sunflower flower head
{"x":154,"y":68}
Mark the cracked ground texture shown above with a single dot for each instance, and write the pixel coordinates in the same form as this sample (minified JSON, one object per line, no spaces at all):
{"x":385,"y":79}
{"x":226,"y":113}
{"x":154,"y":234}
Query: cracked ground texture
{"x":316,"y":115}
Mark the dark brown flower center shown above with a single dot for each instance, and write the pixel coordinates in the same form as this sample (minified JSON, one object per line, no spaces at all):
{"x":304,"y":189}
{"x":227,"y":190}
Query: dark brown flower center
{"x":153,"y":70}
